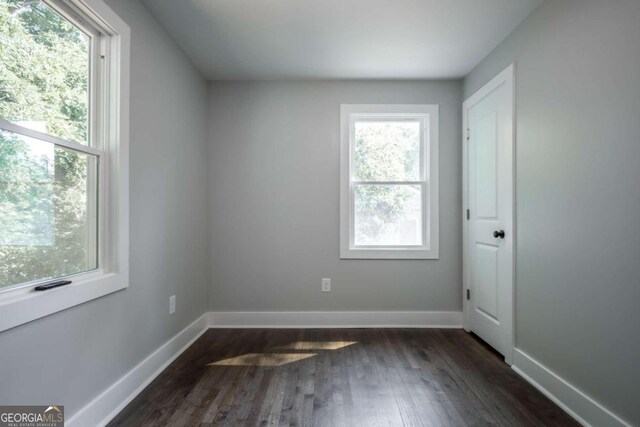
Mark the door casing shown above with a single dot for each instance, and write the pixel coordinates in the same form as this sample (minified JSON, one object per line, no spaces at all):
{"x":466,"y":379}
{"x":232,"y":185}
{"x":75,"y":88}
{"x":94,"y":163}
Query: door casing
{"x":507,"y":76}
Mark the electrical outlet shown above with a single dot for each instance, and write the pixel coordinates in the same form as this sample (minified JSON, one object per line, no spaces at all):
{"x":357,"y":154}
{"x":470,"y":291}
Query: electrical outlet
{"x":326,"y":285}
{"x":172,"y":304}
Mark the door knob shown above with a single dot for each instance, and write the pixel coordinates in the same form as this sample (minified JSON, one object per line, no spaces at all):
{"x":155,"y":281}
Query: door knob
{"x":499,"y":234}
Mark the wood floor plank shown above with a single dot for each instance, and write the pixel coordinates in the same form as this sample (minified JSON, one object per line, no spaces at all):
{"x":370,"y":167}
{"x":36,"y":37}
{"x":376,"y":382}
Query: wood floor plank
{"x":340,"y":377}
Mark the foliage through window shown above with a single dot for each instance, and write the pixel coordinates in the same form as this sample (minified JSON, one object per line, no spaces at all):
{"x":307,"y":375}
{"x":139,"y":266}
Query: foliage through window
{"x":49,"y":162}
{"x":386,"y":214}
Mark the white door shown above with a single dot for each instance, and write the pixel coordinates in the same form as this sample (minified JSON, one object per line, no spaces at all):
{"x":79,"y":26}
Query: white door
{"x":489,"y":219}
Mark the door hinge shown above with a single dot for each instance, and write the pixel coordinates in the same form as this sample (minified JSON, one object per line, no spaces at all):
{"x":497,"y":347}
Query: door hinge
{"x":468,"y":214}
{"x":468,"y":294}
{"x":468,"y":134}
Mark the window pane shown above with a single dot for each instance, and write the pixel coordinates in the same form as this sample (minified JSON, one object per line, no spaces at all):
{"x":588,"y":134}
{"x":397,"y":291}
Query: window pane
{"x":48,"y":220}
{"x":44,"y":70}
{"x":387,"y":151}
{"x":388,"y":215}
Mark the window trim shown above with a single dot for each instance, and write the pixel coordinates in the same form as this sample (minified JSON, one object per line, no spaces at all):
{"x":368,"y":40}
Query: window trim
{"x":349,"y":113}
{"x":21,"y":304}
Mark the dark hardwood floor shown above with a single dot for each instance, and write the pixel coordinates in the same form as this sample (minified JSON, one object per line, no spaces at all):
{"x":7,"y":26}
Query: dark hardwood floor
{"x":340,"y":377}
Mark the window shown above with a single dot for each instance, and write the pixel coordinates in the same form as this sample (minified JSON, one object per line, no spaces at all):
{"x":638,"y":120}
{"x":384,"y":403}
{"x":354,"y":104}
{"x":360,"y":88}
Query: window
{"x":63,"y":154}
{"x":389,"y":182}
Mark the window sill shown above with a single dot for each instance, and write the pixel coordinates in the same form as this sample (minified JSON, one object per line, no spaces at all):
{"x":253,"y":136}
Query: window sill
{"x":389,"y":254}
{"x":23,"y":306}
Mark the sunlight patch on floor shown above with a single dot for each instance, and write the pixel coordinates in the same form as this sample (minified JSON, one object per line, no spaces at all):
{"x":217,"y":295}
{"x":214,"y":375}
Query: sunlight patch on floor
{"x":263,"y":359}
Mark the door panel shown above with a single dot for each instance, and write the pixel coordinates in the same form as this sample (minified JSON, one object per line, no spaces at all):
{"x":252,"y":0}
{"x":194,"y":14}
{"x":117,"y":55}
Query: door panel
{"x":489,"y":186}
{"x":486,"y":279}
{"x":486,"y":164}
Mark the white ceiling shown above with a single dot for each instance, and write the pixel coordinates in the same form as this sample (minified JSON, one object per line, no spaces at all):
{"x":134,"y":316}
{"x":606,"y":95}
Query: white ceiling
{"x":328,"y":39}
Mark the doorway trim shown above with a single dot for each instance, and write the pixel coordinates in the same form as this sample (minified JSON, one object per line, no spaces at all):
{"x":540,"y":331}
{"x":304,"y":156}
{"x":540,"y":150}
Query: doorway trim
{"x":507,"y":76}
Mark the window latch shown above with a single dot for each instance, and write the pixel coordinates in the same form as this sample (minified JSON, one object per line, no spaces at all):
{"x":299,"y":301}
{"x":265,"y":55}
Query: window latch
{"x":52,"y":285}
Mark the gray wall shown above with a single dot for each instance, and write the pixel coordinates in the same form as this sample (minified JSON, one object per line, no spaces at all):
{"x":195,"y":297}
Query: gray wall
{"x":72,"y":356}
{"x":578,"y":192}
{"x":274,"y":191}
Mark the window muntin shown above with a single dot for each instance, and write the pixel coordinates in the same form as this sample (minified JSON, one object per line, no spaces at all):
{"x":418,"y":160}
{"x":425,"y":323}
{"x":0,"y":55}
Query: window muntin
{"x":389,"y":181}
{"x":51,"y":79}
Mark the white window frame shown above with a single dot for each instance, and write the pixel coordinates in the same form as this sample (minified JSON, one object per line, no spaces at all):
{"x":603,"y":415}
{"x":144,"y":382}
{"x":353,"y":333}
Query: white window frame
{"x":427,"y":115}
{"x":109,"y":131}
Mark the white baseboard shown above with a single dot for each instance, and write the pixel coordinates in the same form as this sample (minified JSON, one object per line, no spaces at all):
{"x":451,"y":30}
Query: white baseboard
{"x":335,"y":319}
{"x":583,"y":408}
{"x":110,"y":402}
